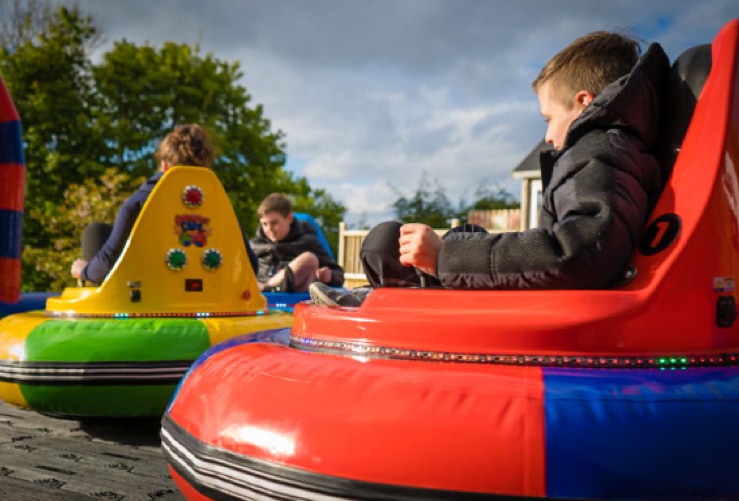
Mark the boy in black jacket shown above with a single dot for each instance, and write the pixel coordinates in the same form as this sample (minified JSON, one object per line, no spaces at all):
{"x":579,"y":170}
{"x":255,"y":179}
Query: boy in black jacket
{"x":290,"y":255}
{"x":601,"y":105}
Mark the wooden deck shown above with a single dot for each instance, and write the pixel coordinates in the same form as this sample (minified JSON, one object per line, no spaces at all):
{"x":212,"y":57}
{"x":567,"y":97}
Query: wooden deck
{"x":45,"y":458}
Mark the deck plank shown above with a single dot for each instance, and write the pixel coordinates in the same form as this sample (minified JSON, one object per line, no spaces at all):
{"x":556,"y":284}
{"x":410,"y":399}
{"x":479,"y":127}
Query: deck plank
{"x":43,"y":458}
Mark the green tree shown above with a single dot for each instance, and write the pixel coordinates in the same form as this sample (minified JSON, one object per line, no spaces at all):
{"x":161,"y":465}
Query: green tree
{"x":146,"y":91}
{"x":428,"y":205}
{"x":81,"y":119}
{"x":46,"y":71}
{"x":493,"y":197}
{"x":93,"y":200}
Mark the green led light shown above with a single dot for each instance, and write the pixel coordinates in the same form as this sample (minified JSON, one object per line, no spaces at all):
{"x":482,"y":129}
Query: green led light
{"x":211,"y":259}
{"x":176,"y":259}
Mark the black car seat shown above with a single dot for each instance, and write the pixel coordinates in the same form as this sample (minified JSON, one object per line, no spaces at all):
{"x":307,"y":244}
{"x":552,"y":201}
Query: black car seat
{"x":683,"y":87}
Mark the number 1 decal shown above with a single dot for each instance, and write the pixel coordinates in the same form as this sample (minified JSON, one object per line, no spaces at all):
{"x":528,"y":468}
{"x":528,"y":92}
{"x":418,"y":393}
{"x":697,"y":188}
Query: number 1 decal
{"x":659,"y":234}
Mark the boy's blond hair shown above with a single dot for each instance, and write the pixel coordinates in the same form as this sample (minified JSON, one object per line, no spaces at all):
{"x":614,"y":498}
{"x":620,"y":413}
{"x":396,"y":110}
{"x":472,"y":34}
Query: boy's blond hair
{"x":276,"y":202}
{"x":186,"y":145}
{"x":589,"y":63}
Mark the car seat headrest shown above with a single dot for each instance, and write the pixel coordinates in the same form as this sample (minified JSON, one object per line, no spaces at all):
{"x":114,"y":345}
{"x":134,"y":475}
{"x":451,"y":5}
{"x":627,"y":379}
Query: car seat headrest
{"x":684,"y":85}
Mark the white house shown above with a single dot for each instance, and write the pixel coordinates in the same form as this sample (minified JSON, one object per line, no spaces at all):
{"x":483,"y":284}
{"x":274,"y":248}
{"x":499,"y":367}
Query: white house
{"x":530,"y":175}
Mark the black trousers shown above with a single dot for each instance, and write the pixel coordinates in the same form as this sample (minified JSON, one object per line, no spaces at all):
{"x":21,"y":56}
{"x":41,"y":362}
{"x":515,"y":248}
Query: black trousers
{"x":380,"y":256}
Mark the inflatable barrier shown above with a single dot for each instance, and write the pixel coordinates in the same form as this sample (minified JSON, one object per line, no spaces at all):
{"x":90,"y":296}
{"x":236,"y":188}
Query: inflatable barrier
{"x":12,"y":180}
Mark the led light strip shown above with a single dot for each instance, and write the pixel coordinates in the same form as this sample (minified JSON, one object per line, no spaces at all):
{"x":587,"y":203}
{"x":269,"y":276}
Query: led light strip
{"x":123,"y":316}
{"x":575,"y":361}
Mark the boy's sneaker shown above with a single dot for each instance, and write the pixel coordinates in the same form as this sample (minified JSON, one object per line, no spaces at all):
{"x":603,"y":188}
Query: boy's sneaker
{"x":321,"y":293}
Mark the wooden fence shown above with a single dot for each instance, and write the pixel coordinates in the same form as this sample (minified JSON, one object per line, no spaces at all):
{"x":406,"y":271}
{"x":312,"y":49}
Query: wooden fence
{"x":496,"y":220}
{"x":350,"y":241}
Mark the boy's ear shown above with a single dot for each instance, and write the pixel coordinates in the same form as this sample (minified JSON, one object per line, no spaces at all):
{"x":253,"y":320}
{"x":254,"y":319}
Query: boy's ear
{"x":583,"y":98}
{"x":290,"y":218}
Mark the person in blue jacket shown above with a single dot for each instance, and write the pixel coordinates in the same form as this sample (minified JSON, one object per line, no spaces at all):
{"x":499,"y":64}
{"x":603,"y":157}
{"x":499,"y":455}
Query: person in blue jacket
{"x":102,"y":244}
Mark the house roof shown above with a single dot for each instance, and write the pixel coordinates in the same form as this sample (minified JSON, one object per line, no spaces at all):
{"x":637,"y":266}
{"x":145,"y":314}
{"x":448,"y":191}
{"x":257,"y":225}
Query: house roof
{"x":529,"y":166}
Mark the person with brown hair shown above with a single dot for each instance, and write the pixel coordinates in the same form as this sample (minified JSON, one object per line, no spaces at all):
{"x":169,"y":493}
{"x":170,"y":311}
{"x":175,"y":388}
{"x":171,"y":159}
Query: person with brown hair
{"x":601,"y":105}
{"x":102,"y":243}
{"x":290,"y":255}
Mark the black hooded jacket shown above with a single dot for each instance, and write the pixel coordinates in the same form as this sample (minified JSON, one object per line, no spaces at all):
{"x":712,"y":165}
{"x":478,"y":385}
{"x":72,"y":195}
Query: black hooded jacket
{"x":275,"y":255}
{"x":598,"y":191}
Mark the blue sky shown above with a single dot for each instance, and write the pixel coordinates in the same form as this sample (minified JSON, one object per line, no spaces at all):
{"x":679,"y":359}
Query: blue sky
{"x":373,"y":93}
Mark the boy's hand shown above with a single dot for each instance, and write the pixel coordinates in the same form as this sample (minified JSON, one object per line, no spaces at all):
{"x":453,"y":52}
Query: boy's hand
{"x":323,"y":274}
{"x":419,"y":247}
{"x":77,"y":267}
